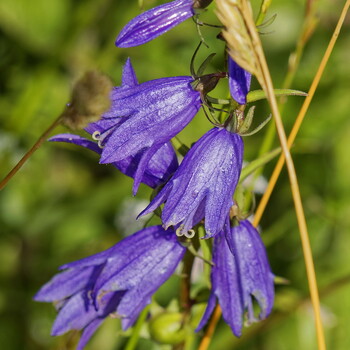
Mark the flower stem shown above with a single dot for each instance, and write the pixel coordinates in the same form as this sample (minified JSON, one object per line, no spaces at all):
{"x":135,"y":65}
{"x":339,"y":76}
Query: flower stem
{"x":265,"y":4}
{"x":38,"y":143}
{"x":131,"y":344}
{"x":266,"y":83}
{"x":210,"y":329}
{"x":185,"y":296}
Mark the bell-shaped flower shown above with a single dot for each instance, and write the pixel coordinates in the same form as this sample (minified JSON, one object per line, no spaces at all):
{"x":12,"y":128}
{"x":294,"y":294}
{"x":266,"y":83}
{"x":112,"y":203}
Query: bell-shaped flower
{"x":239,"y":82}
{"x":256,"y":277}
{"x":154,"y":22}
{"x":154,"y":112}
{"x":203,"y":185}
{"x":118,"y":281}
{"x":241,"y":274}
{"x":150,"y":168}
{"x":154,"y":173}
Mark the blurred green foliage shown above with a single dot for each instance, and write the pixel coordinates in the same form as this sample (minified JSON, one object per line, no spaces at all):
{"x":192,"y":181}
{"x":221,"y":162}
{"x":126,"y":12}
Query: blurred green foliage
{"x":63,"y":206}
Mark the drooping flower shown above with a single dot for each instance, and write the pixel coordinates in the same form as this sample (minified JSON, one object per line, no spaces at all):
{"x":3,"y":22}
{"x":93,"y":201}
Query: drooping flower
{"x":155,"y":22}
{"x":241,"y":273}
{"x":203,"y":185}
{"x":256,"y":277}
{"x":239,"y":81}
{"x":151,"y":168}
{"x":154,"y":112}
{"x":119,"y":280}
{"x":154,"y":173}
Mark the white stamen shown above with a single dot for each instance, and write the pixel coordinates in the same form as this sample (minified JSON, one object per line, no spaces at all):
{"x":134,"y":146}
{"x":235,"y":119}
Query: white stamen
{"x":179,"y":231}
{"x":96,"y":135}
{"x":190,"y":233}
{"x":99,"y":143}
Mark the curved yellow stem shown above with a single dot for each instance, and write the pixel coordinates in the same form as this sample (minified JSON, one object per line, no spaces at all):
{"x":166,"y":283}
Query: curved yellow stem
{"x":264,"y":200}
{"x":211,"y":328}
{"x":217,"y":313}
{"x":266,"y":82}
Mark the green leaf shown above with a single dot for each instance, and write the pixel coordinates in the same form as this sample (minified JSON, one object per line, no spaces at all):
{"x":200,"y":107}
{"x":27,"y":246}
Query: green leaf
{"x":257,"y":95}
{"x":257,"y":163}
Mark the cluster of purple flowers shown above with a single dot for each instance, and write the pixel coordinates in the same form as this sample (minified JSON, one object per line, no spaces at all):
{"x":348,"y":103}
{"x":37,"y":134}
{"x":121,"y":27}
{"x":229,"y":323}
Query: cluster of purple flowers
{"x":134,"y":135}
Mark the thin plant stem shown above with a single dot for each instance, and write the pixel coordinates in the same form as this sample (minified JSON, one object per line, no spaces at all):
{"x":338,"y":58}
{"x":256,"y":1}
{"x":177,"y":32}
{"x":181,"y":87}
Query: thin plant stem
{"x":293,"y":65}
{"x":310,"y":22}
{"x":268,"y":86}
{"x":37,"y":144}
{"x":133,"y":340}
{"x":264,"y":200}
{"x":265,"y":4}
{"x":185,"y":297}
{"x":210,"y":329}
{"x":185,"y":294}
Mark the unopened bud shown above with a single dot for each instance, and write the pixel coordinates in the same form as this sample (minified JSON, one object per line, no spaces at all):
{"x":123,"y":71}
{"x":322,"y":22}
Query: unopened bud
{"x":90,"y":99}
{"x":167,"y":328}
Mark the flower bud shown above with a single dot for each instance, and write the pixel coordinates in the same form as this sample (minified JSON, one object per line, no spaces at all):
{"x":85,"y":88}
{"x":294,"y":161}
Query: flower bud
{"x":167,"y":328}
{"x":90,"y":99}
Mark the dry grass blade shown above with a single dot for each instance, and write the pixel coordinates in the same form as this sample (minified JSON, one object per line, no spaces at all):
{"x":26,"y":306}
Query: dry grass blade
{"x":264,"y":78}
{"x":240,"y":45}
{"x":272,"y":182}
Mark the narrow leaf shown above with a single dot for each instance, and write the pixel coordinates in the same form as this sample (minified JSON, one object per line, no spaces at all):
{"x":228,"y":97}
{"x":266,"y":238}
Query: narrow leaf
{"x":257,"y":163}
{"x":257,"y":95}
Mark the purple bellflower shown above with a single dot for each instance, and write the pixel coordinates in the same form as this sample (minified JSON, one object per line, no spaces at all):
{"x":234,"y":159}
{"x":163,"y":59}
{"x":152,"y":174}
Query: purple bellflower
{"x":118,"y":281}
{"x":241,"y":272}
{"x":152,"y":168}
{"x":144,"y":116}
{"x":157,"y":21}
{"x":155,"y":173}
{"x":239,"y":82}
{"x":203,"y":185}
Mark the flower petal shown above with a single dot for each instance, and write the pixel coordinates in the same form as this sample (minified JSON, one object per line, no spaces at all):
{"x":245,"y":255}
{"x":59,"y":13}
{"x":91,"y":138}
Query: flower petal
{"x":154,"y":22}
{"x":204,"y":183}
{"x":65,"y":284}
{"x":149,"y":260}
{"x":129,"y":77}
{"x":256,"y":276}
{"x":239,"y":81}
{"x":158,"y":111}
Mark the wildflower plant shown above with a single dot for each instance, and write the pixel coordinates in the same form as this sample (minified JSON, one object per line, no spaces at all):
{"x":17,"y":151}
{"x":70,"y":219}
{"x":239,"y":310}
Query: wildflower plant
{"x":201,"y":211}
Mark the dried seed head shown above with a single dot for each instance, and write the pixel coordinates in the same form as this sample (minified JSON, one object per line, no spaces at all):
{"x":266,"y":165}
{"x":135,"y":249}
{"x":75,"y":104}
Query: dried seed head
{"x":239,"y":42}
{"x":90,"y":99}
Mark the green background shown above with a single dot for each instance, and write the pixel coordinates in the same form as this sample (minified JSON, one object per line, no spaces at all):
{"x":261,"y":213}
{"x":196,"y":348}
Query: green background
{"x":63,"y":205}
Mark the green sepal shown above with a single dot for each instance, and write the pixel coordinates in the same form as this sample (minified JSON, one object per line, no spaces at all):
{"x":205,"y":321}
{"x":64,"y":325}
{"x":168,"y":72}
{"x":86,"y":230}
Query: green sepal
{"x":247,"y":121}
{"x":204,"y":65}
{"x":281,"y":280}
{"x":257,"y":95}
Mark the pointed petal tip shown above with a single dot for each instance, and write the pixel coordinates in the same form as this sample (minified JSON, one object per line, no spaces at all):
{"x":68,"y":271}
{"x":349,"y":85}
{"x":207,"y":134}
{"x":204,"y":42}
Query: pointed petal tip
{"x":39,"y":296}
{"x":135,"y":188}
{"x":209,"y":235}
